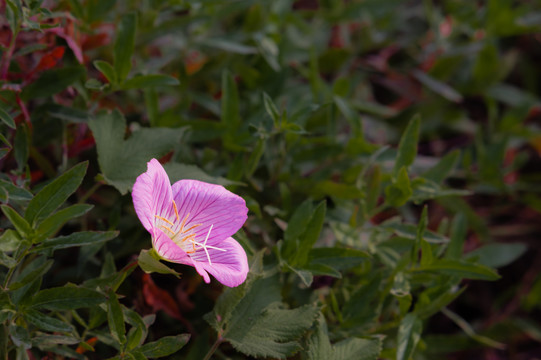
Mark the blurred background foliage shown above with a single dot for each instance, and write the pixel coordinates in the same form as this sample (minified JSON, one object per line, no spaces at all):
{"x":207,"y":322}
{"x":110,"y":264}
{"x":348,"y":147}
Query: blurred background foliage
{"x":388,"y":151}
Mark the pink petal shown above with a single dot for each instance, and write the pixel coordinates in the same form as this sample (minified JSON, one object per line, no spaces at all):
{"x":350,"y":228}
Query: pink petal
{"x":229,"y":267}
{"x":152,"y":195}
{"x":209,"y":205}
{"x":168,"y":250}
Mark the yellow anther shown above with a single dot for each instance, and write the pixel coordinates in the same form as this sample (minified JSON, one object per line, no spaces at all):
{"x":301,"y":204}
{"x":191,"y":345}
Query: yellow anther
{"x":164,"y":219}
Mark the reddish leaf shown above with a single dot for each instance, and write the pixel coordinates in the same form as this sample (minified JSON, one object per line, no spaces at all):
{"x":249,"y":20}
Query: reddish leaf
{"x":92,"y":341}
{"x":70,"y":40}
{"x":94,"y":41}
{"x":336,"y":40}
{"x":48,"y":61}
{"x":159,"y":299}
{"x":194,"y":62}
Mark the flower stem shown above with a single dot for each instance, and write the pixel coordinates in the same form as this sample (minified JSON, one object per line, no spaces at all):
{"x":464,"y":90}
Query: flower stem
{"x":214,"y":347}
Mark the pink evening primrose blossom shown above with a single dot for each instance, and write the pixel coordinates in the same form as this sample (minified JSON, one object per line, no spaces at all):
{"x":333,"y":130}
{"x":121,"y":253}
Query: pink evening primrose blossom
{"x":192,"y":223}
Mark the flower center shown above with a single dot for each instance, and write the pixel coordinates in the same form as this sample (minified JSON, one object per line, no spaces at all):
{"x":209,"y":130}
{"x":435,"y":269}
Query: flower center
{"x":183,"y":236}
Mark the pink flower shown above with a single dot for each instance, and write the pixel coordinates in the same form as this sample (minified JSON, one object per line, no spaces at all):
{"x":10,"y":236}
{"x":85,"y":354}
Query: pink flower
{"x":192,"y":223}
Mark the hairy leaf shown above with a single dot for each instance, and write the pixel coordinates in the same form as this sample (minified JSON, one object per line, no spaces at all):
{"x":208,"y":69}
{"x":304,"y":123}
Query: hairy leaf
{"x":320,"y":348}
{"x":121,"y":161}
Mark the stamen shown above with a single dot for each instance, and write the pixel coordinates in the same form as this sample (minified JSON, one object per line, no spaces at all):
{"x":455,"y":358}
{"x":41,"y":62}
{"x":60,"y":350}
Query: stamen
{"x":184,"y":223}
{"x":209,"y":246}
{"x":164,"y":219}
{"x":191,"y":236}
{"x":205,"y":243}
{"x":176,"y":210}
{"x":193,"y":227}
{"x":168,"y":229}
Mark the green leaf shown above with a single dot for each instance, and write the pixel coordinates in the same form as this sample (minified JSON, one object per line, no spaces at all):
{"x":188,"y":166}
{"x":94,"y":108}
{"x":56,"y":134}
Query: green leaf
{"x":409,"y":231}
{"x":257,"y":324}
{"x":124,"y":45}
{"x":409,"y":333}
{"x":7,"y":119}
{"x":6,"y":260}
{"x":399,"y":192}
{"x":468,"y":329}
{"x":55,"y":194}
{"x":66,"y":298}
{"x":407,"y":149}
{"x":255,"y":157}
{"x":31,"y":276}
{"x":320,"y":348}
{"x":433,"y":300}
{"x":230,"y":103}
{"x":53,"y":81}
{"x":69,"y":114}
{"x":14,"y":192}
{"x":53,"y":223}
{"x":139,"y":329}
{"x":121,"y":161}
{"x":45,"y":322}
{"x":115,"y":318}
{"x":311,"y":233}
{"x":272,"y":110}
{"x":178,"y":171}
{"x":459,"y":230}
{"x":49,"y":340}
{"x":437,"y":86}
{"x":337,"y":258}
{"x":441,"y":170}
{"x":107,"y":70}
{"x":149,"y":81}
{"x":21,"y":146}
{"x":462,"y":269}
{"x":20,"y":224}
{"x":165,"y":346}
{"x":82,"y":238}
{"x":306,"y":276}
{"x":20,"y":336}
{"x":228,"y":45}
{"x":150,"y":264}
{"x":298,"y":222}
{"x":497,"y":255}
{"x":426,"y":251}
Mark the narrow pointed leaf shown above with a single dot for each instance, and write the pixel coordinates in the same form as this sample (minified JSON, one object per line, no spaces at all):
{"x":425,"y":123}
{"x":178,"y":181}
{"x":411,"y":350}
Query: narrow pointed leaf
{"x":124,"y":45}
{"x":20,"y":224}
{"x":66,"y":298}
{"x":115,"y":318}
{"x":407,"y":149}
{"x":409,"y":333}
{"x":165,"y":346}
{"x":6,"y":118}
{"x":82,"y":238}
{"x":55,"y":194}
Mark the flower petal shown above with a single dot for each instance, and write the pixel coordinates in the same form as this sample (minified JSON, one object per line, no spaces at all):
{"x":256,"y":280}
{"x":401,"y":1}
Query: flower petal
{"x":168,"y":250}
{"x":229,"y":267}
{"x":152,"y":194}
{"x":209,"y":205}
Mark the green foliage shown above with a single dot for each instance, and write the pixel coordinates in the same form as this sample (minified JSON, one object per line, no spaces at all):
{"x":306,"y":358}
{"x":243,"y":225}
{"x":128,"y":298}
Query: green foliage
{"x":320,"y":348}
{"x":252,"y":318}
{"x":387,"y":152}
{"x":121,"y":161}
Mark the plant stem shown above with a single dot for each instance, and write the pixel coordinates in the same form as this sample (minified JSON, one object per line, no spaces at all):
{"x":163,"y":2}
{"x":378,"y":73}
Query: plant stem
{"x":214,"y":347}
